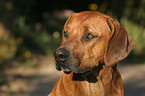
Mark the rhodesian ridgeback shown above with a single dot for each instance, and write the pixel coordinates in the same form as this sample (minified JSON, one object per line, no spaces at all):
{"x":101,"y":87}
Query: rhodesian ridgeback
{"x":92,"y":44}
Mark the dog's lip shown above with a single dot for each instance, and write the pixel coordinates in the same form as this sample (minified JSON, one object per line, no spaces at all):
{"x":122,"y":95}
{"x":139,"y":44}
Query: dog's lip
{"x":64,"y":65}
{"x":62,"y":68}
{"x":68,"y":71}
{"x":65,"y":69}
{"x":58,"y":68}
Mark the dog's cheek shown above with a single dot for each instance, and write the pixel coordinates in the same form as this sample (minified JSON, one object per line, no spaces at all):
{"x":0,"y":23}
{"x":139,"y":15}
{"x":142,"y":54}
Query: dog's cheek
{"x":90,"y":60}
{"x":87,"y":64}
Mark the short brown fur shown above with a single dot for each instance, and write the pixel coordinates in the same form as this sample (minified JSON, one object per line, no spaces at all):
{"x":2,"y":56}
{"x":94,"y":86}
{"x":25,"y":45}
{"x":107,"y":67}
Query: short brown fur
{"x":99,"y":54}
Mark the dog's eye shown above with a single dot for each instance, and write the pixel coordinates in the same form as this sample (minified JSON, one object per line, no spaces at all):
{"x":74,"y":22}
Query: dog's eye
{"x":65,"y":34}
{"x":89,"y":36}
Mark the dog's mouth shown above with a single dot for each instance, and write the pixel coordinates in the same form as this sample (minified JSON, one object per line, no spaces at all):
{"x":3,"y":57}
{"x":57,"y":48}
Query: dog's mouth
{"x":65,"y":70}
{"x":68,"y":70}
{"x":68,"y":63}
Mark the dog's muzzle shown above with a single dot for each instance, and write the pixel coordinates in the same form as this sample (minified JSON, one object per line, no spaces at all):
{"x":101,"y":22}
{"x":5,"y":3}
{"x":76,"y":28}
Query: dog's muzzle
{"x":61,"y":56}
{"x":65,"y":63}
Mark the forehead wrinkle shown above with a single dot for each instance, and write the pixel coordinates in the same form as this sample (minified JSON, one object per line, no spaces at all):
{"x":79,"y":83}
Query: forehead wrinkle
{"x":84,"y":19}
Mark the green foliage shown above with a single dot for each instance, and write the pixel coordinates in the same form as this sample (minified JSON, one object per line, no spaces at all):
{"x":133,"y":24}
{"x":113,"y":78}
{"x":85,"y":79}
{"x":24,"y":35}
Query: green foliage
{"x":137,"y":33}
{"x":134,"y":21}
{"x":135,"y":11}
{"x":7,"y":48}
{"x":23,"y":35}
{"x":30,"y":27}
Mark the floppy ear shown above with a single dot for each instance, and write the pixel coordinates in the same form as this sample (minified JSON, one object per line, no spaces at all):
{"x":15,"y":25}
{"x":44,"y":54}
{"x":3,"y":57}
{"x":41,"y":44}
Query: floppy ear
{"x":120,"y":44}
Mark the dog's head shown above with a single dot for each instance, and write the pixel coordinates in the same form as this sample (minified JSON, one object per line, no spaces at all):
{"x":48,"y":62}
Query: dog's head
{"x":90,"y":38}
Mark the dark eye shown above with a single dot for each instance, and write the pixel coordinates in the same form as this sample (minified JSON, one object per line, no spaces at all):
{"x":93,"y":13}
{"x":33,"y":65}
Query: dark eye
{"x":65,"y":34}
{"x":89,"y":36}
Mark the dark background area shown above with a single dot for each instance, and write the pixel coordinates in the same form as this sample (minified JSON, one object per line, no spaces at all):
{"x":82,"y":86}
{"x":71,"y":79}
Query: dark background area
{"x":30,"y":28}
{"x":29,"y":20}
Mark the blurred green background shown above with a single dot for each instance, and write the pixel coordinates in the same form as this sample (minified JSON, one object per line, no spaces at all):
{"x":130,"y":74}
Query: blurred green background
{"x":29,"y":28}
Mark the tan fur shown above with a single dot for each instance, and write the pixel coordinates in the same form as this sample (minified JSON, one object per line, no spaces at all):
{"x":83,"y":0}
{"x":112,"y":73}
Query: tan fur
{"x":99,"y":54}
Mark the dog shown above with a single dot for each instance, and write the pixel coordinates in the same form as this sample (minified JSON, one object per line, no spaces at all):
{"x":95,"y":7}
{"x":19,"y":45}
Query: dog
{"x":92,"y":44}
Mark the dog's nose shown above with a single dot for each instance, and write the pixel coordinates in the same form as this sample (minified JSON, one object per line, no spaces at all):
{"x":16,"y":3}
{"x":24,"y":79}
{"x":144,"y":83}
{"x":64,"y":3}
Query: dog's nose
{"x":61,"y":54}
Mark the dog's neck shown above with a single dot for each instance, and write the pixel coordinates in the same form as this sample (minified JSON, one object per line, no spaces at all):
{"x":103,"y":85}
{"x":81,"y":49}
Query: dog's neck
{"x":107,"y":79}
{"x":103,"y":71}
{"x":97,"y":73}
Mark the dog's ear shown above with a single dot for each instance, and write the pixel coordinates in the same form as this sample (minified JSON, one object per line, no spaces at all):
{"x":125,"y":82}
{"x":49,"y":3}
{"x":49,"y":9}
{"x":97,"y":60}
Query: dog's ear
{"x":119,"y":45}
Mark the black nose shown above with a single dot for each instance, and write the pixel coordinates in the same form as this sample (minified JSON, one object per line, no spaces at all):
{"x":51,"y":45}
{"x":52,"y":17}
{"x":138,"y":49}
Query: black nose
{"x":61,"y":54}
